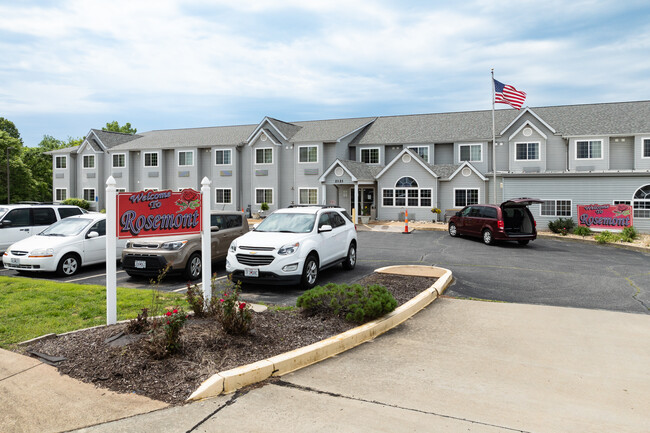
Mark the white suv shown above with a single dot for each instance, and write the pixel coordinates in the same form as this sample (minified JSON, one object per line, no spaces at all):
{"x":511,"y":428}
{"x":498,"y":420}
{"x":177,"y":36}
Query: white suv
{"x":292,"y":245}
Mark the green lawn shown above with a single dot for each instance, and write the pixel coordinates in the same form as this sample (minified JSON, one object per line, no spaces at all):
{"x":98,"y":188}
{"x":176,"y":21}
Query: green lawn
{"x":30,"y":307}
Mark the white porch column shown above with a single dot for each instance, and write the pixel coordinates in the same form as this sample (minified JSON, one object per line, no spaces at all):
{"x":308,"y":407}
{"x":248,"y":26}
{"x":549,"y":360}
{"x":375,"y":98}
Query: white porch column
{"x":323,"y":194}
{"x":111,"y":252}
{"x":356,"y":202}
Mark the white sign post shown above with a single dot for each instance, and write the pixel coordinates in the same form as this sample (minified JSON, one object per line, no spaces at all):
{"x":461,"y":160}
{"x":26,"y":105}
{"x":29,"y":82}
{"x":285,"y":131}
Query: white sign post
{"x":206,"y":242}
{"x":111,"y":252}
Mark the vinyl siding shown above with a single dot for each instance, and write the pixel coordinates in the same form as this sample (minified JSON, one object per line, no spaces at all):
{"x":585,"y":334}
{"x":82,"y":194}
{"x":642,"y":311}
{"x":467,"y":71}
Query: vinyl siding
{"x":443,"y":153}
{"x":621,"y":153}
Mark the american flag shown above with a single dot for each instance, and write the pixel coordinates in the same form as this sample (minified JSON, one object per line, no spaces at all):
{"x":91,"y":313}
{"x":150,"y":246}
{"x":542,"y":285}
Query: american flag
{"x":506,"y":94}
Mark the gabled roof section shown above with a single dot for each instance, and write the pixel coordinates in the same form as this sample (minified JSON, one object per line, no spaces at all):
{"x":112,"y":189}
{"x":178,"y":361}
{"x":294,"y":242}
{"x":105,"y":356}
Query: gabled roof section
{"x":266,"y":133}
{"x":329,"y":130}
{"x":444,"y":171}
{"x":414,"y":157}
{"x":358,"y":171}
{"x":101,"y":141}
{"x":275,"y":125}
{"x":532,"y":113}
{"x":463,"y":165}
{"x":287,"y":129}
{"x":63,"y":151}
{"x":529,"y":124}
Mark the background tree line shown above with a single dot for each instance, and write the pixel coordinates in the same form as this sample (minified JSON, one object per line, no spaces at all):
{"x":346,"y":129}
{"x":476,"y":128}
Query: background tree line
{"x":30,"y":170}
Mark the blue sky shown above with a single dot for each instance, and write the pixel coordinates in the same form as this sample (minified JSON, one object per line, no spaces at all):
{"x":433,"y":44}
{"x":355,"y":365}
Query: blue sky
{"x":71,"y":65}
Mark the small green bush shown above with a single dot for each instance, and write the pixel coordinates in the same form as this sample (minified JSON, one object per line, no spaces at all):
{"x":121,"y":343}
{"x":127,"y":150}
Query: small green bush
{"x":582,"y":231}
{"x":354,"y":302}
{"x":562,"y":226}
{"x":235,"y":317}
{"x":77,"y":202}
{"x":629,"y":234}
{"x":606,"y":237}
{"x":194,"y":297}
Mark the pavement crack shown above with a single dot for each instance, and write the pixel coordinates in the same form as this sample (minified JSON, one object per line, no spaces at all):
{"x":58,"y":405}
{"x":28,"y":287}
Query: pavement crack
{"x":637,"y":289}
{"x":20,"y":372}
{"x":285,"y":384}
{"x":231,"y":401}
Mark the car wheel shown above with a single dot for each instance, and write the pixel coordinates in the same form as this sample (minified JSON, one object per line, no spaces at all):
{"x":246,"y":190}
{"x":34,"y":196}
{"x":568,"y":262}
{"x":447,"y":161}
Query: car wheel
{"x":68,"y":266}
{"x":487,"y":237}
{"x":523,"y":242}
{"x":351,"y":260}
{"x":309,"y":273}
{"x":453,"y":230}
{"x":193,"y":267}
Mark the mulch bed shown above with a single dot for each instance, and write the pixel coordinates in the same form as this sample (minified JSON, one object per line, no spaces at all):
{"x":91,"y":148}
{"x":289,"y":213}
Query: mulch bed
{"x":128,"y":368}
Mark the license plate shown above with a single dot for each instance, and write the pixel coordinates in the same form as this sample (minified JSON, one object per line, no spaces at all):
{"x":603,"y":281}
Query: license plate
{"x":140,"y":264}
{"x":15,"y":261}
{"x":251,"y":272}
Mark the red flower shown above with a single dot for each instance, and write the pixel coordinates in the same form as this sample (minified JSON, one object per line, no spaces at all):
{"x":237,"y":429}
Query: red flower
{"x":168,"y":322}
{"x":242,"y":305}
{"x":221,"y":300}
{"x":169,"y":313}
{"x":189,"y":195}
{"x":175,"y":311}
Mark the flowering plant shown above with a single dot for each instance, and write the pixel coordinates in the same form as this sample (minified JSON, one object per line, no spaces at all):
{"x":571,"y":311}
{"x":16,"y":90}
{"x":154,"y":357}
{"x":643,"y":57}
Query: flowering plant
{"x":235,"y":317}
{"x":166,"y":332}
{"x":436,"y":210}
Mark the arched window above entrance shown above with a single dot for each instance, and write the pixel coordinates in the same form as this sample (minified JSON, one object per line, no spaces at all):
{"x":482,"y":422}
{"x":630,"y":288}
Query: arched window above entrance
{"x":641,"y":202}
{"x":406,"y":182}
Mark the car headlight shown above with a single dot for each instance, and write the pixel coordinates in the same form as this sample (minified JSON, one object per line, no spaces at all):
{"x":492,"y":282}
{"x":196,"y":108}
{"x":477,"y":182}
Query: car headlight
{"x":42,"y":252}
{"x":287,"y":249}
{"x":174,"y":245}
{"x":128,"y":244}
{"x":233,"y":246}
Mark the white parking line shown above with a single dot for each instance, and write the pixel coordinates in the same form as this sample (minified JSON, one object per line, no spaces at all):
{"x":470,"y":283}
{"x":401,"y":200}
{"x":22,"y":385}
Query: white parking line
{"x":87,"y":278}
{"x":184,"y":288}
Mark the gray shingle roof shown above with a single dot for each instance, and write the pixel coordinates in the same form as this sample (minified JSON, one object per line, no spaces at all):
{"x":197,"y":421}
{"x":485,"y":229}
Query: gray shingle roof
{"x":361,"y":170}
{"x":328,"y":130}
{"x":190,"y":137}
{"x":444,"y":170}
{"x":111,"y":139}
{"x":288,"y":129}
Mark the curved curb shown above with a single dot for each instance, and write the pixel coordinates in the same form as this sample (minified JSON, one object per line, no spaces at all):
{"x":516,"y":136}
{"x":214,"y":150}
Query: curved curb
{"x":231,"y":380}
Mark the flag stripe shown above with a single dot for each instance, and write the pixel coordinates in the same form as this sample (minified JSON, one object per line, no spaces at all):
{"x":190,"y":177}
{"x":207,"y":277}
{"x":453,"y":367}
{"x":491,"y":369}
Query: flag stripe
{"x":507,"y":94}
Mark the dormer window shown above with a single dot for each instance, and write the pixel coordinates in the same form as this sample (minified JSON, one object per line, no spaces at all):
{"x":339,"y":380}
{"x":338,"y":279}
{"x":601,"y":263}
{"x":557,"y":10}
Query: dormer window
{"x":527,"y":152}
{"x":264,"y":156}
{"x":89,"y":161}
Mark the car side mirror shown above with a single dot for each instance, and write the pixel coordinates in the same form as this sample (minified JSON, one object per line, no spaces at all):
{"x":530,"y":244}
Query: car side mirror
{"x":325,"y":228}
{"x":214,"y":228}
{"x":92,"y":235}
{"x":5,"y":223}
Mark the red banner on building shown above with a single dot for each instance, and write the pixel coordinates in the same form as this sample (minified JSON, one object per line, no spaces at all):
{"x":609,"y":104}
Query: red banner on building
{"x":605,"y":216}
{"x":158,"y":213}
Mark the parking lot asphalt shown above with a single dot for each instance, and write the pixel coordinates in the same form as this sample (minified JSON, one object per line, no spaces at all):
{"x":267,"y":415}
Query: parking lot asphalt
{"x":557,"y":272}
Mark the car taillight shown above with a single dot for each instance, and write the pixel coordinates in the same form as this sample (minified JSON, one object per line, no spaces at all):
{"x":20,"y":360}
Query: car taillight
{"x":500,"y":225}
{"x":535,"y":223}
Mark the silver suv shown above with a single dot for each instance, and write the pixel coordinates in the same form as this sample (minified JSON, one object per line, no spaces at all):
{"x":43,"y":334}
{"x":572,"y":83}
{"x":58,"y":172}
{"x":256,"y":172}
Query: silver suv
{"x":149,"y":256}
{"x":20,"y":221}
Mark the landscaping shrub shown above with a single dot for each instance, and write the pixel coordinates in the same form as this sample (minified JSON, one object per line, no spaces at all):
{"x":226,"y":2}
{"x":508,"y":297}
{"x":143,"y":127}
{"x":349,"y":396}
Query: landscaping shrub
{"x":140,"y":324}
{"x":562,"y":226}
{"x":194,"y":297}
{"x":629,"y":234}
{"x":582,"y":231}
{"x":77,"y":202}
{"x":235,"y":317}
{"x":165,"y":334}
{"x":354,"y":302}
{"x":606,"y":236}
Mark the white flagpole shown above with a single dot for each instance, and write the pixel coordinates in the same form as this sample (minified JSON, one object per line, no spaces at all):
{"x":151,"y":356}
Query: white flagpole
{"x":494,"y":144}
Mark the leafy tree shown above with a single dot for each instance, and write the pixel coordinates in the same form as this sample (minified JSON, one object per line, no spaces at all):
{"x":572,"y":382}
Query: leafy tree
{"x":9,"y":127}
{"x":19,"y":172}
{"x":115,"y":127}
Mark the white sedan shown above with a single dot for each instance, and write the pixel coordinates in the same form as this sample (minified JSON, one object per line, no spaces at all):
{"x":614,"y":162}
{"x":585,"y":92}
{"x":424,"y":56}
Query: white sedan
{"x":63,"y":247}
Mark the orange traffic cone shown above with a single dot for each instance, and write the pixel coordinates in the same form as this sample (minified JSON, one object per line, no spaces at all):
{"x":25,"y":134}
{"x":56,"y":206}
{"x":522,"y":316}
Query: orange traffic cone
{"x":406,"y":222}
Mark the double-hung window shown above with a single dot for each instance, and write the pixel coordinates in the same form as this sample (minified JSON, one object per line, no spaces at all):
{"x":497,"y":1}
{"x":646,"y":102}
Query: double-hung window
{"x":223,"y":195}
{"x":222,"y":157}
{"x":527,"y":152}
{"x":263,"y":195}
{"x":465,"y":197}
{"x":370,"y":156}
{"x":308,"y":196}
{"x":119,"y":160}
{"x":560,"y":208}
{"x":151,"y":159}
{"x":61,"y":194}
{"x":589,"y":149}
{"x":89,"y":194}
{"x":264,"y":156}
{"x":61,"y":161}
{"x":470,"y":152}
{"x":646,"y":148}
{"x":423,"y":151}
{"x":185,"y":158}
{"x":308,"y":154}
{"x":89,"y":161}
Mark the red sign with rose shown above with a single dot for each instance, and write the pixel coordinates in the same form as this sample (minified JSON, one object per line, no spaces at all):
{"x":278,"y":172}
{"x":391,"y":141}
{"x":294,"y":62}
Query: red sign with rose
{"x":158,"y":213}
{"x":605,"y":216}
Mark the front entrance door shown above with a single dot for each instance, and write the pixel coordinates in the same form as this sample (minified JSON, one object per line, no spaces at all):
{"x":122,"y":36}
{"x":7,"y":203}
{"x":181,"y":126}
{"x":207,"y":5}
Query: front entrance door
{"x":366,"y":200}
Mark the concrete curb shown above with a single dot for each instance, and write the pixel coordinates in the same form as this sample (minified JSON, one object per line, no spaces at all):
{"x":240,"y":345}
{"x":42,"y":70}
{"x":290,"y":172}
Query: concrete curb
{"x":594,"y":242}
{"x":231,"y":380}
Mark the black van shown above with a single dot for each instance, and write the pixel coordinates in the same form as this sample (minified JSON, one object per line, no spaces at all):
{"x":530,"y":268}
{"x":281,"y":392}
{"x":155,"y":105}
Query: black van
{"x":509,"y":221}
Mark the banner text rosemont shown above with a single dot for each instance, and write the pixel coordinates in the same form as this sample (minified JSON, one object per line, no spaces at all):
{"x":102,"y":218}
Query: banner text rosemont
{"x":131,"y":222}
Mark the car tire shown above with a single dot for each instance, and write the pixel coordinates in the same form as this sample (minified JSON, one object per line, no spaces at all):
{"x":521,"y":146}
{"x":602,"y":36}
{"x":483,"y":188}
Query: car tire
{"x":351,"y":260}
{"x":488,"y":238}
{"x":309,"y":272}
{"x":68,"y":265}
{"x":193,"y":267}
{"x":453,"y":230}
{"x":525,"y":242}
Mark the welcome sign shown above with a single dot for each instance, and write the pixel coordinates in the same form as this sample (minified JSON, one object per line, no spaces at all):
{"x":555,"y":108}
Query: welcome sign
{"x":605,"y":216}
{"x":158,"y":213}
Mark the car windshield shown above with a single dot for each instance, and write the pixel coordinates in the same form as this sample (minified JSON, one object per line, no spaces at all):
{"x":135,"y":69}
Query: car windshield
{"x":287,"y":223}
{"x":3,"y":210}
{"x":67,"y":227}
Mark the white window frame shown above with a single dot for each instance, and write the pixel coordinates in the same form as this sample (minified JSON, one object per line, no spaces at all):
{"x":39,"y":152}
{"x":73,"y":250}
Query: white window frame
{"x":539,"y":150}
{"x":369,"y":150}
{"x":56,"y":195}
{"x":120,"y":190}
{"x":217,"y":151}
{"x":265,"y":189}
{"x":555,"y":214}
{"x":113,"y":160}
{"x":94,"y":194}
{"x":461,"y":145}
{"x":393,"y":197}
{"x":224,"y":190}
{"x":636,"y":211}
{"x":178,"y":158}
{"x":307,"y":147}
{"x":57,"y":158}
{"x":144,"y":159}
{"x":264,"y":163}
{"x":643,"y":142}
{"x":416,"y":149}
{"x":478,"y":197}
{"x":307,"y":189}
{"x":590,"y":141}
{"x":627,"y":202}
{"x":83,"y":162}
